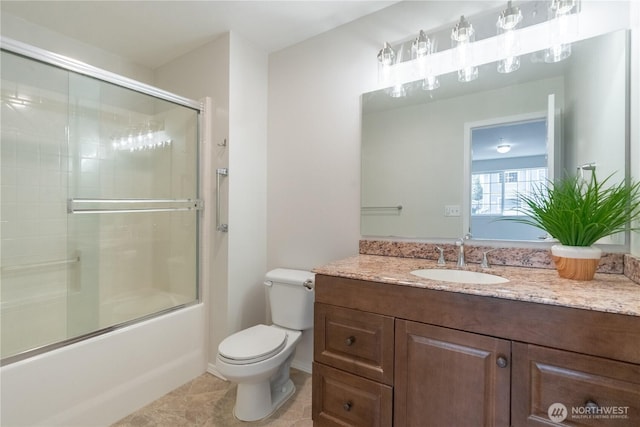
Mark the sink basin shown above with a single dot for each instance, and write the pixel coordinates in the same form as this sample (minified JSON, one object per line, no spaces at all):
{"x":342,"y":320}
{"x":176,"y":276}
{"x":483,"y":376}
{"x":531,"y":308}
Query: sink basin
{"x":459,"y":276}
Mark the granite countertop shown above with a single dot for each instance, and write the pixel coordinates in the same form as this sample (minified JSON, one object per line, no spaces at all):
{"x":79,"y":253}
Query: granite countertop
{"x":610,"y":293}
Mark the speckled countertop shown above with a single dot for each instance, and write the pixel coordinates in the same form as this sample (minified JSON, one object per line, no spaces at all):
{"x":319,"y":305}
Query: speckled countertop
{"x":611,"y":293}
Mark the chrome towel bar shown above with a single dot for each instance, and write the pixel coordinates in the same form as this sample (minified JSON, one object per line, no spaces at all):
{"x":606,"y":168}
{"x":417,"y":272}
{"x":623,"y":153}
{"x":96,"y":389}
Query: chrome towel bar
{"x":365,"y":208}
{"x":87,"y":206}
{"x":220,"y":172}
{"x":41,"y":264}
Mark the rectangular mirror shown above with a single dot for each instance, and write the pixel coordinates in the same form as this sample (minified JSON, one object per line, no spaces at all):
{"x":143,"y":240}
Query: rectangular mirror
{"x":428,"y":155}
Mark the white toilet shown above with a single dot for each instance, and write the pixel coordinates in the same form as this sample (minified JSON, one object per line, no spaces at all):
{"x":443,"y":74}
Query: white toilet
{"x":258,"y":358}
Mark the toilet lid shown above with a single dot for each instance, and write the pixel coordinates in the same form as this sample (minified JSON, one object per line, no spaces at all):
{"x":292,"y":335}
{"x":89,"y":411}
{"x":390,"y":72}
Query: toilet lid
{"x":253,"y":344}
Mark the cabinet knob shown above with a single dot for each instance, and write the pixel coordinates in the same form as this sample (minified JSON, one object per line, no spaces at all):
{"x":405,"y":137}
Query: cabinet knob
{"x":350,"y":340}
{"x":502,"y":362}
{"x":347,"y":406}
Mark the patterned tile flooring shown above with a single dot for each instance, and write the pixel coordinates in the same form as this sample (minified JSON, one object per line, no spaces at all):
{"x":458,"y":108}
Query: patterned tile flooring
{"x":207,"y":401}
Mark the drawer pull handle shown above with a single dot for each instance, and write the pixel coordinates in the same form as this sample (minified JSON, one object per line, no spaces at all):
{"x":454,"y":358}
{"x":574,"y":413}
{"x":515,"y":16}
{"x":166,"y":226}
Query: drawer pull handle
{"x":502,"y":362}
{"x":347,"y":406}
{"x":349,"y":341}
{"x":591,"y":405}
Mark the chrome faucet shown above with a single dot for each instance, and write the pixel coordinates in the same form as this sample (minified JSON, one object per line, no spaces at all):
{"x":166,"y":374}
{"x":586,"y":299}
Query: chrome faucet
{"x":460,"y":244}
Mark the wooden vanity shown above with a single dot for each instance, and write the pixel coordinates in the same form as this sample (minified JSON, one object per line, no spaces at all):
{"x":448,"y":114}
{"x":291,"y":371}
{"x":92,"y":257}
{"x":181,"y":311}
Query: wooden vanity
{"x":394,"y":349}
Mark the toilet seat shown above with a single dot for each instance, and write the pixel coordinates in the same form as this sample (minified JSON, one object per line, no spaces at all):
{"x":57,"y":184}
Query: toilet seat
{"x":252,"y":345}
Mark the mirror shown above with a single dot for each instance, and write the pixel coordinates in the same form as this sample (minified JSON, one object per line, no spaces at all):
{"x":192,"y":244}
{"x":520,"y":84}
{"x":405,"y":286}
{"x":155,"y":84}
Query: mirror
{"x":422,"y":154}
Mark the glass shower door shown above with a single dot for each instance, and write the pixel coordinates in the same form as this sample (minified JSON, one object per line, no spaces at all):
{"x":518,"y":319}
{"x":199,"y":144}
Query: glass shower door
{"x":133,"y":204}
{"x":99,"y":205}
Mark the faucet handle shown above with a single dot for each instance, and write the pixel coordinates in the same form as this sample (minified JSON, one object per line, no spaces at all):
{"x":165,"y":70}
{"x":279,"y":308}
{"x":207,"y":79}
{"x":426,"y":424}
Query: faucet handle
{"x":485,"y":260}
{"x":441,"y":258}
{"x":460,"y":241}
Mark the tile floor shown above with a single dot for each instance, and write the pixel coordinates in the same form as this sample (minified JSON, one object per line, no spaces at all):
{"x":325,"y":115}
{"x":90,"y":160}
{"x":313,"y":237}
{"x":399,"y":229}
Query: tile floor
{"x":207,"y":401}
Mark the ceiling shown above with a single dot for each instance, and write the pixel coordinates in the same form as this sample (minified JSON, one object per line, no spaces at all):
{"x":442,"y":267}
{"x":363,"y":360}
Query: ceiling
{"x":152,"y":33}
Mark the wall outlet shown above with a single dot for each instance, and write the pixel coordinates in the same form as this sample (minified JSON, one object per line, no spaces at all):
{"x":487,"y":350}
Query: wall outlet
{"x":452,"y":210}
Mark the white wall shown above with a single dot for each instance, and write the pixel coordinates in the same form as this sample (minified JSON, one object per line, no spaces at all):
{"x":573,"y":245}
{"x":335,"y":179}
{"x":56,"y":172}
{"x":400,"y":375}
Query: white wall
{"x":35,"y":35}
{"x":247,"y":184}
{"x":595,"y":131}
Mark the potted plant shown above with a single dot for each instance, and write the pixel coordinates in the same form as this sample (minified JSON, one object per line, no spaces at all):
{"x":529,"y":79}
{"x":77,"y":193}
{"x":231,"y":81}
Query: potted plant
{"x":578,"y":213}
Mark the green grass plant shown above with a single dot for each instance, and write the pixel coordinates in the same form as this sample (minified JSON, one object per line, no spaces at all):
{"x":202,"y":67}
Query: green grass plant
{"x":579,"y":212}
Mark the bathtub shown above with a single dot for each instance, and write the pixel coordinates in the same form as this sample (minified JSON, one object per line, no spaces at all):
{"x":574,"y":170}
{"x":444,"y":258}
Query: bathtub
{"x":100,"y":380}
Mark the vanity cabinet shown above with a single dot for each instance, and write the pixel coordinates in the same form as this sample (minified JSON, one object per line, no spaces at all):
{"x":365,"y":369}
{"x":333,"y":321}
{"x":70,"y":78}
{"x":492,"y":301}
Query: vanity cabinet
{"x":387,"y":354}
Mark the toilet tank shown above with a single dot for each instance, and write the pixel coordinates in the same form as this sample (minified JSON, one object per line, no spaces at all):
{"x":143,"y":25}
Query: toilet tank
{"x":291,"y":297}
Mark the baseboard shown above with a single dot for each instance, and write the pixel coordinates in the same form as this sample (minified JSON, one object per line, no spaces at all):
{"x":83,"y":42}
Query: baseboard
{"x":211,"y":368}
{"x":301,"y":366}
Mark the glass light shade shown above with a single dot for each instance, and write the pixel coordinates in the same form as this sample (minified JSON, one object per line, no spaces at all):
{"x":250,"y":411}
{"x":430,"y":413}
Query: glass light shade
{"x":463,"y":32}
{"x":387,"y":55}
{"x":562,"y":7}
{"x":421,"y":46}
{"x":397,"y":91}
{"x":509,"y":64}
{"x":467,"y":74}
{"x":509,"y":18}
{"x":557,"y":53}
{"x":503,"y":148}
{"x":430,"y":83}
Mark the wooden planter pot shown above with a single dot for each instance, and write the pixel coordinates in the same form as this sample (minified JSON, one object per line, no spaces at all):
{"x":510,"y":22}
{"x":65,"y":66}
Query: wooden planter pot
{"x":576,"y":262}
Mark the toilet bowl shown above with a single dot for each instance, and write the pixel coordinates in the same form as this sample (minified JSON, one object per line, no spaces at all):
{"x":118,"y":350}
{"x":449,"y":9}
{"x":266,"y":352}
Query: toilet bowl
{"x":263,"y":379}
{"x":258,"y":358}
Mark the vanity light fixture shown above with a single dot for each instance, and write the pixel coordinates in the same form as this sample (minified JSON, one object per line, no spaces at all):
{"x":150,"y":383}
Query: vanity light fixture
{"x":503,"y":148}
{"x":462,"y":36}
{"x":424,"y":65}
{"x":560,"y":49}
{"x":421,"y":50}
{"x":507,"y":23}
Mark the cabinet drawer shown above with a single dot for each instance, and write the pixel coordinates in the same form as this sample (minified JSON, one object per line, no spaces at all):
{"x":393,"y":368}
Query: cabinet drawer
{"x":354,"y":341}
{"x":592,"y":391}
{"x":342,"y":399}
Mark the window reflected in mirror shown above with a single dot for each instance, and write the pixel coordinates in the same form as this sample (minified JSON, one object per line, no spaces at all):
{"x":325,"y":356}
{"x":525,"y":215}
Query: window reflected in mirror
{"x":507,"y":159}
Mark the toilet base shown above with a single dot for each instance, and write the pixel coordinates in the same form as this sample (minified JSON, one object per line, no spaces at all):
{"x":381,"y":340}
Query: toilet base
{"x":257,"y":401}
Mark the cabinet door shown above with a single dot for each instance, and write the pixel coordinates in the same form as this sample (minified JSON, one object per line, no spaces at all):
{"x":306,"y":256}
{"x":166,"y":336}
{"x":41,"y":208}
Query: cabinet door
{"x":446,"y":377}
{"x":573,"y":389}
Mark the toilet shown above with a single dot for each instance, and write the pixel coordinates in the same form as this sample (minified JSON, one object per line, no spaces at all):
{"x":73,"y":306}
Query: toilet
{"x":258,"y":358}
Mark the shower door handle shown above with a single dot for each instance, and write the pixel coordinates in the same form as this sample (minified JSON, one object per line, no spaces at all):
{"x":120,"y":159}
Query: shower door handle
{"x":220,"y":172}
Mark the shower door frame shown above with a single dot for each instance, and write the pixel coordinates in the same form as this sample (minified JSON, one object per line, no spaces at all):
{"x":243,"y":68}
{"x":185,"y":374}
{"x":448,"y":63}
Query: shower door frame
{"x":203,"y":129}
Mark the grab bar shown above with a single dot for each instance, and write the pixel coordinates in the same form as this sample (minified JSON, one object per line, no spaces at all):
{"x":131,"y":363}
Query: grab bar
{"x":42,"y":264}
{"x":220,"y":172}
{"x":365,"y":208}
{"x":87,"y":206}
